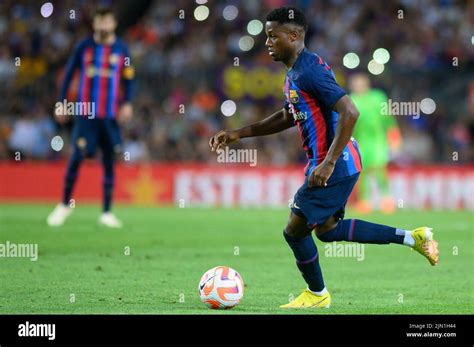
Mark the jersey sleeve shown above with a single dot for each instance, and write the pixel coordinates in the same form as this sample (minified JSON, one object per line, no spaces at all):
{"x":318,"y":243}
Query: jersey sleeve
{"x":73,"y":63}
{"x":286,"y":104}
{"x":128,"y":76}
{"x":320,"y":82}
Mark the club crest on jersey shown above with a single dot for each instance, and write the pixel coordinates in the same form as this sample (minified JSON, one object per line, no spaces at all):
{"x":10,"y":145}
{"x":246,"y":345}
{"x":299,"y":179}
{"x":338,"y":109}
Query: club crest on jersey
{"x":81,"y":142}
{"x":294,"y":98}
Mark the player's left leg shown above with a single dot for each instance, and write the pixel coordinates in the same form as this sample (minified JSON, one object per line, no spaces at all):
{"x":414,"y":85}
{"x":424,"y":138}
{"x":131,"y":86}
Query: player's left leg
{"x":356,"y":230}
{"x":108,"y":163}
{"x":63,"y":210}
{"x":330,"y":202}
{"x":297,"y":234}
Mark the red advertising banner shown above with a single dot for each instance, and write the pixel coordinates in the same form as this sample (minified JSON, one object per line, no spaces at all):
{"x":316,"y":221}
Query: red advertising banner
{"x":436,"y":187}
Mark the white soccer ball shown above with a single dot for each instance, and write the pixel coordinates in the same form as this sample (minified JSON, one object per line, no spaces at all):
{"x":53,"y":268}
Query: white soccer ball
{"x":221,"y":288}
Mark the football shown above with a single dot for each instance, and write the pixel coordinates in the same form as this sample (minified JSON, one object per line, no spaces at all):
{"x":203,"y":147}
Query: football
{"x":221,"y":288}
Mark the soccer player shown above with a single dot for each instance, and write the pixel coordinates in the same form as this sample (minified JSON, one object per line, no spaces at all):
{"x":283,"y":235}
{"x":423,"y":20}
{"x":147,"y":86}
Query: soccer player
{"x":325,"y":117}
{"x":377,"y":134}
{"x":105,"y":84}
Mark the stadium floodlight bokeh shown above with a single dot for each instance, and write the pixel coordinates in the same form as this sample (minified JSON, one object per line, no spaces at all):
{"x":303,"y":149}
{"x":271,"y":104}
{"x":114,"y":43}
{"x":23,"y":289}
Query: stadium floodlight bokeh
{"x":254,"y":27}
{"x":381,"y":56}
{"x":351,"y":60}
{"x":201,"y":13}
{"x":230,"y":12}
{"x":200,"y":68}
{"x":375,"y":68}
{"x":166,"y":53}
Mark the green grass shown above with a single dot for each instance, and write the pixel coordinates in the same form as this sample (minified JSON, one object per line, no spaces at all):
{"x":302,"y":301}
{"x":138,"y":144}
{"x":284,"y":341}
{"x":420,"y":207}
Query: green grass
{"x":171,"y":248}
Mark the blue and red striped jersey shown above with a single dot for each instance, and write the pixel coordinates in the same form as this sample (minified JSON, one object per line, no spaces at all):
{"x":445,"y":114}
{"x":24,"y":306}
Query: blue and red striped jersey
{"x":105,"y":75}
{"x":311,"y":91}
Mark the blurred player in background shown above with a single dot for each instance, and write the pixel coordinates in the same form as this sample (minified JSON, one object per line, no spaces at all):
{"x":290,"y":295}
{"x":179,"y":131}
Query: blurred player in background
{"x":325,"y":116}
{"x":105,"y":82}
{"x":378,"y":135}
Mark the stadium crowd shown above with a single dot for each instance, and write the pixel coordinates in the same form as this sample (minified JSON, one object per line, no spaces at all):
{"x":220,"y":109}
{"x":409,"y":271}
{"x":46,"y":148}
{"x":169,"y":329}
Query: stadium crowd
{"x":182,"y":62}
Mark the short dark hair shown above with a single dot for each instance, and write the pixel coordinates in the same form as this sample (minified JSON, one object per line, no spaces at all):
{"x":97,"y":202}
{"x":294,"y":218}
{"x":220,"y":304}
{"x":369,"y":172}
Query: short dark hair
{"x":284,"y":15}
{"x":103,"y":11}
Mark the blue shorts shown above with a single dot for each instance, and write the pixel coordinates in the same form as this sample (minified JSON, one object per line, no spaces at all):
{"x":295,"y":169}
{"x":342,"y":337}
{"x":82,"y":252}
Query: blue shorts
{"x":88,"y":134}
{"x":318,"y":204}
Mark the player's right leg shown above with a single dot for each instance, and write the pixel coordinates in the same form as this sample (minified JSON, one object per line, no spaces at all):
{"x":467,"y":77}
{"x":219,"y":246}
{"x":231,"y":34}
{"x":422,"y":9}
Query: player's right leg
{"x":63,"y":210}
{"x":84,"y":139}
{"x":297,"y":234}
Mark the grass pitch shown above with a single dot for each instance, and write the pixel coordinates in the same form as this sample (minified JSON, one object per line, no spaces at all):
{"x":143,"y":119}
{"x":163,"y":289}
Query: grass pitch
{"x":84,"y":268}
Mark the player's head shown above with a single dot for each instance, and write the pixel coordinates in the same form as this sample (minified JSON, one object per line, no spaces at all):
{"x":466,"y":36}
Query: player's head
{"x":104,"y":22}
{"x":359,"y":83}
{"x":285,"y":28}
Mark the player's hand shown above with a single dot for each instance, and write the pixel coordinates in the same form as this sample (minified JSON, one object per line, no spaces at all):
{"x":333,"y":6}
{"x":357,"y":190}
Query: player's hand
{"x":60,"y":113}
{"x":321,"y":174}
{"x":223,"y":138}
{"x":125,"y":113}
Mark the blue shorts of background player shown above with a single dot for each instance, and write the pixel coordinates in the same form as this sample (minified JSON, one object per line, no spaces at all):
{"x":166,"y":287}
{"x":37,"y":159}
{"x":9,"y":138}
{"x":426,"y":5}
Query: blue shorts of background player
{"x":88,"y":134}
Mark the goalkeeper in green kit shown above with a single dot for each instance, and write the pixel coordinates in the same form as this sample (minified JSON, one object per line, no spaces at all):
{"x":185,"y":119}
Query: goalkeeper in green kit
{"x":377,"y":134}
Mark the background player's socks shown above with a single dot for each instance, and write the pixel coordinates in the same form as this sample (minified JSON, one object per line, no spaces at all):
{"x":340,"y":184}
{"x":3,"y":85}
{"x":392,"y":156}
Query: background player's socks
{"x":307,"y":260}
{"x":68,"y":186}
{"x":71,"y":176}
{"x":357,"y":230}
{"x":108,"y":187}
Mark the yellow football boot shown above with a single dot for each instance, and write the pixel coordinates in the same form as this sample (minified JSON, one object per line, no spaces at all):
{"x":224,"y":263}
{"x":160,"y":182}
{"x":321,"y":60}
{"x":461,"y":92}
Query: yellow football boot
{"x":310,"y":300}
{"x":425,"y":244}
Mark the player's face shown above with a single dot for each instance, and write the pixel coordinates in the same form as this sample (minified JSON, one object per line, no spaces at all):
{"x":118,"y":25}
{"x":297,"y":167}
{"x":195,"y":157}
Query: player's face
{"x":359,"y":83}
{"x":104,"y":25}
{"x":278,"y":41}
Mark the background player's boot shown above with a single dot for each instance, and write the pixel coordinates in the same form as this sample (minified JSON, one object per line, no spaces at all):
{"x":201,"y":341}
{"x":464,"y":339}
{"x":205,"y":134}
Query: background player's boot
{"x":425,"y":244}
{"x":59,"y":215}
{"x":109,"y":220}
{"x":364,"y":207}
{"x":387,"y":205}
{"x":307,"y":299}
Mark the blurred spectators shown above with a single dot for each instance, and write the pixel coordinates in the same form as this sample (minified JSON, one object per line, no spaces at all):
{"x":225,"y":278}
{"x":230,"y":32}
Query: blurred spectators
{"x":181,"y":64}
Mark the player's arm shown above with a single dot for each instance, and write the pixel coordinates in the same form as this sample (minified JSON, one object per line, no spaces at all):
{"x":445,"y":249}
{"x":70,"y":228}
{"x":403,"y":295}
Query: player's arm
{"x":127,"y":79}
{"x":71,"y":66}
{"x":276,"y":122}
{"x":348,"y":115}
